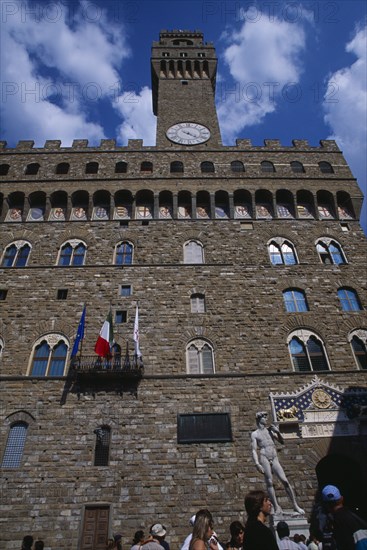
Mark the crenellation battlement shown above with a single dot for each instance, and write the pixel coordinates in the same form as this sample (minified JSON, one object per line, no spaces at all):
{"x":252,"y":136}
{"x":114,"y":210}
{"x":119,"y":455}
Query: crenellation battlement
{"x":24,"y":145}
{"x":137,"y":144}
{"x":52,"y":144}
{"x":80,"y":144}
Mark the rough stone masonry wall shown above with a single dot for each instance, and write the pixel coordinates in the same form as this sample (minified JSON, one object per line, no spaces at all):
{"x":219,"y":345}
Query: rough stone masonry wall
{"x":243,"y":291}
{"x":150,"y":477}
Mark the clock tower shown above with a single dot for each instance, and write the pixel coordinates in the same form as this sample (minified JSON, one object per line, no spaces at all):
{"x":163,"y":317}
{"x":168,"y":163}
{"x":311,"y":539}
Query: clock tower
{"x":183,"y":82}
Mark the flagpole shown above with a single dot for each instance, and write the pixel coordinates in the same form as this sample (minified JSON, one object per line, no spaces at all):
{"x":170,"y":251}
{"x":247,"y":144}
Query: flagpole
{"x":75,"y":354}
{"x":81,"y":341}
{"x":137,"y":354}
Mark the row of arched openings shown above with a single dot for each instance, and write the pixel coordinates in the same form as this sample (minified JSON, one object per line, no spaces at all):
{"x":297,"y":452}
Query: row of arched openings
{"x":145,"y":205}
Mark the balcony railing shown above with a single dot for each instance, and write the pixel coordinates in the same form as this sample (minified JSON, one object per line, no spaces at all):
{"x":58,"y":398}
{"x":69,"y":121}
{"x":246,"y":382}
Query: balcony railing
{"x":121,"y":366}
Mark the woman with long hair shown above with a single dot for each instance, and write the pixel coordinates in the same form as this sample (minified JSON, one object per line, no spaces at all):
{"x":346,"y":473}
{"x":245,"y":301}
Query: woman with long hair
{"x":202,"y":534}
{"x":138,"y":540}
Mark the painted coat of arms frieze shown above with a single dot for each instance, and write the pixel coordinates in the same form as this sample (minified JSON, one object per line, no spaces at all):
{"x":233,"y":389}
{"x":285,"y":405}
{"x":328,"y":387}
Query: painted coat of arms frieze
{"x":320,"y":409}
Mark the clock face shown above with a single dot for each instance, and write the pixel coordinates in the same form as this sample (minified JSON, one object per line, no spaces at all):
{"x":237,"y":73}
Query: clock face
{"x":188,"y":133}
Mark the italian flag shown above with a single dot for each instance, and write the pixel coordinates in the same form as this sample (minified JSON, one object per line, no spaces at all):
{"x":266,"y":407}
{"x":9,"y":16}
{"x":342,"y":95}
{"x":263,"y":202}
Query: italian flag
{"x":105,"y":339}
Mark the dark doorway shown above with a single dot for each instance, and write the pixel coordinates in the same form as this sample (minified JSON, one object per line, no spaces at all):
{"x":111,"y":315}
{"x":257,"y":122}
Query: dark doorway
{"x":346,"y":474}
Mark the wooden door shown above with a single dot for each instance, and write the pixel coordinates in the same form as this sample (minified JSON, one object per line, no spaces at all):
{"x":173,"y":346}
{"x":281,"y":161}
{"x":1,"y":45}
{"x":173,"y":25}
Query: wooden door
{"x":95,"y":528}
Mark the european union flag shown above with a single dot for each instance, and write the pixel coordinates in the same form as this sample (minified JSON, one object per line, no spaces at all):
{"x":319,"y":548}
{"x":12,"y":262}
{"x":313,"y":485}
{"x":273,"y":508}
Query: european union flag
{"x":79,"y":334}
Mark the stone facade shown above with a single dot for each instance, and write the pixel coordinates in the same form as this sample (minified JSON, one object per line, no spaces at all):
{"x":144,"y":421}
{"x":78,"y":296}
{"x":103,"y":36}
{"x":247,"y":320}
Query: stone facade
{"x":150,"y":476}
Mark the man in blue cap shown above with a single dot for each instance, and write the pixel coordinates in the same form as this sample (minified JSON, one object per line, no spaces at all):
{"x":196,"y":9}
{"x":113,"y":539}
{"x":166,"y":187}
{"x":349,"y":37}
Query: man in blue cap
{"x":350,"y":531}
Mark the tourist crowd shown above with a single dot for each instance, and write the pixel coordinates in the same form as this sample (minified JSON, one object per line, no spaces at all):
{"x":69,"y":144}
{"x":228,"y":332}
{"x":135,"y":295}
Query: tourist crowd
{"x":345,"y":530}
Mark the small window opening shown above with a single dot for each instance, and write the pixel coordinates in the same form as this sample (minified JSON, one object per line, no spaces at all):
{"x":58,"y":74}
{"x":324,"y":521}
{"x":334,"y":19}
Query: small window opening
{"x":62,"y":293}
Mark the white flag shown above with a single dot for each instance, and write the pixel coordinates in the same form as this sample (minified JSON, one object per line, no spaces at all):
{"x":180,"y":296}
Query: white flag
{"x":136,"y":332}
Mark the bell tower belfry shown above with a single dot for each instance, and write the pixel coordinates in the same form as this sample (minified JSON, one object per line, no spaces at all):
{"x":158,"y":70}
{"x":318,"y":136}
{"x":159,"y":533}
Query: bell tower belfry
{"x":183,"y":82}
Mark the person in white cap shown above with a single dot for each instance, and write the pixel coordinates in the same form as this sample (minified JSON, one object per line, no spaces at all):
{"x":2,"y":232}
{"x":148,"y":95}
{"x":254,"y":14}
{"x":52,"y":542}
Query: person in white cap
{"x":153,"y":543}
{"x":349,"y":530}
{"x":159,"y":530}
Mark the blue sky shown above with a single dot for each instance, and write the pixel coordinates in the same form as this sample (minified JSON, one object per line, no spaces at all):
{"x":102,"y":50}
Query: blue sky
{"x":287,"y":70}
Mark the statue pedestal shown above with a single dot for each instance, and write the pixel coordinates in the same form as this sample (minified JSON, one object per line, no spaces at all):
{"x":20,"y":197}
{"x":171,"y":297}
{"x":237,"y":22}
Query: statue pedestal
{"x":297,"y":523}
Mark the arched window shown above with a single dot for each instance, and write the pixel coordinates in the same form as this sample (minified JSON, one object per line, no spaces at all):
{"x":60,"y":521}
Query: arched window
{"x":237,"y":167}
{"x":49,"y":356}
{"x":193,"y":253}
{"x":326,"y":168}
{"x":124,"y":253}
{"x":358,"y":342}
{"x":297,"y":167}
{"x":197,"y":303}
{"x":91,"y":168}
{"x":121,"y":167}
{"x":102,"y":446}
{"x":330,"y":252}
{"x":176,"y":167}
{"x":16,"y":254}
{"x":4,"y":169}
{"x":295,"y":300}
{"x":207,"y":167}
{"x":32,"y":169}
{"x":146,"y":167}
{"x":307,"y":352}
{"x":349,"y":299}
{"x":72,"y":253}
{"x":267,"y":167}
{"x":63,"y":168}
{"x":282,"y":252}
{"x":199,"y":357}
{"x":14,"y":448}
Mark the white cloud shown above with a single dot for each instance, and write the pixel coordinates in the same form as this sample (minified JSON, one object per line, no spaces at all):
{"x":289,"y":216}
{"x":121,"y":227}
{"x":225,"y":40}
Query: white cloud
{"x":263,"y":60}
{"x":52,"y":67}
{"x":347,"y":114}
{"x":137,"y":112}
